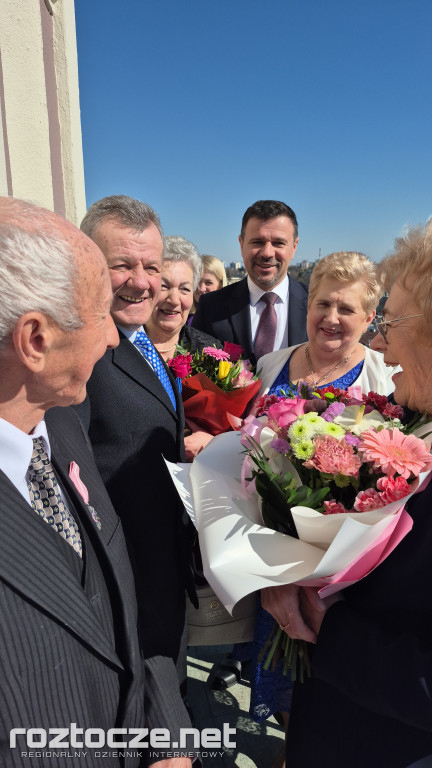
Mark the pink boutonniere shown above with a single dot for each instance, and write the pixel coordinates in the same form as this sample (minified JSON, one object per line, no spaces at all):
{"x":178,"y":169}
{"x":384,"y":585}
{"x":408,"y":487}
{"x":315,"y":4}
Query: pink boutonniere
{"x":74,"y":475}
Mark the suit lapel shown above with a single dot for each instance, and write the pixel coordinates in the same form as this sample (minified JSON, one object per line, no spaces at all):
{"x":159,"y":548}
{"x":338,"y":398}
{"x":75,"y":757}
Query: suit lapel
{"x":33,"y":562}
{"x":240,"y":319}
{"x":132,"y":363}
{"x":119,"y":569}
{"x":297,"y":311}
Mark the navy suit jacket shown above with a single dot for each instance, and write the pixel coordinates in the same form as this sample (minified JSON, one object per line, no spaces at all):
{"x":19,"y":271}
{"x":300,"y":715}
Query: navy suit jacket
{"x":132,"y":427}
{"x":226,"y":315}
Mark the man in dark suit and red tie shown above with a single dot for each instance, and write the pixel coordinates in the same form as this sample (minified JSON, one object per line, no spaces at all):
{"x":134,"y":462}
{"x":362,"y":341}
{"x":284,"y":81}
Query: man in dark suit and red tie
{"x":135,"y":419}
{"x":69,"y":651}
{"x":267,"y":310}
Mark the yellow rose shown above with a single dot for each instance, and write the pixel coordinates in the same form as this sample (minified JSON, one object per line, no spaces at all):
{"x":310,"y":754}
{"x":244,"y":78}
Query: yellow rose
{"x":224,"y":369}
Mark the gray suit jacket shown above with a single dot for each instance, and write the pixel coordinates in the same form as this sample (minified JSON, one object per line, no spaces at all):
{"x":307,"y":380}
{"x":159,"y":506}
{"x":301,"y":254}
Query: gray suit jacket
{"x":69,"y":648}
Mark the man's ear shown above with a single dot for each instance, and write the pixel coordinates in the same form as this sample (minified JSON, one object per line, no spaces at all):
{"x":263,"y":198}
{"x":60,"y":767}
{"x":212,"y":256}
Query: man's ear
{"x":32,"y":338}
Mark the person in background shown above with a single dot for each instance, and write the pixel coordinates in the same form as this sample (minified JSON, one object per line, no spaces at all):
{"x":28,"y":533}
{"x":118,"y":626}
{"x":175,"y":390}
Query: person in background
{"x":368,"y":701}
{"x":213,"y":277}
{"x":135,"y":419}
{"x":266,"y":310}
{"x":166,"y":326}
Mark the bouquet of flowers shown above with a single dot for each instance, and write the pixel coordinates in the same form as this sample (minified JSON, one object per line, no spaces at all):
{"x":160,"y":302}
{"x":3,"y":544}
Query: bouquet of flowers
{"x":326,"y":453}
{"x":214,"y":384}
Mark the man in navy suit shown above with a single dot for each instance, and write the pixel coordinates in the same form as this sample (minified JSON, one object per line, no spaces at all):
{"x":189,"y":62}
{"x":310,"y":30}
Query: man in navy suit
{"x":133,"y":424}
{"x":70,"y":656}
{"x":268,"y":242}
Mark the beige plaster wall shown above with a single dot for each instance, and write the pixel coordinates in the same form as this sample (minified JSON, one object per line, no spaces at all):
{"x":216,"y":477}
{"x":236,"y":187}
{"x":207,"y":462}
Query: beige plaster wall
{"x":40,"y":131}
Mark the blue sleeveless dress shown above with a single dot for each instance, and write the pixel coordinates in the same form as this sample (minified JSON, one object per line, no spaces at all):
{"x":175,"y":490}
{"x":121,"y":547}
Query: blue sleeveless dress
{"x":271,"y":690}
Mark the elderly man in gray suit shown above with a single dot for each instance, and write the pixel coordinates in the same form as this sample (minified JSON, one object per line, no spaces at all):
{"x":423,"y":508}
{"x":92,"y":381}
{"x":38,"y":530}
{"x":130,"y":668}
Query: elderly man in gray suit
{"x":69,"y":658}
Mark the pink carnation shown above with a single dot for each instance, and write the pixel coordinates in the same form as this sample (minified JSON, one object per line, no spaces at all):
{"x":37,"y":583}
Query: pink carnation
{"x":235,"y":351}
{"x":367,"y":500}
{"x":334,"y":457}
{"x":283,"y":413}
{"x":181,"y":366}
{"x":393,"y":488}
{"x":333,"y":507}
{"x":218,"y":354}
{"x":263,"y":404}
{"x":393,"y":452}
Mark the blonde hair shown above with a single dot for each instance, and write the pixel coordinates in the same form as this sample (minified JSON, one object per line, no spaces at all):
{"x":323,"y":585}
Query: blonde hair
{"x":410,"y":265}
{"x":215,"y":266}
{"x":348,"y":267}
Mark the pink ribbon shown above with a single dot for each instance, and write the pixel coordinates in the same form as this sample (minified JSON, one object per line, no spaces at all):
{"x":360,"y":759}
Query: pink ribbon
{"x":78,"y":483}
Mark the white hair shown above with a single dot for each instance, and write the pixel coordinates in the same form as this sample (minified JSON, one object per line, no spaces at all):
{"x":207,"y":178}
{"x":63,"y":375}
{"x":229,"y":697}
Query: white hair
{"x":177,"y":248}
{"x":38,"y":272}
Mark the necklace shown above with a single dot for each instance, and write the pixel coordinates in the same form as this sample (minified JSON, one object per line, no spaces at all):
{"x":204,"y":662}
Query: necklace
{"x":164,"y":351}
{"x":325,"y":375}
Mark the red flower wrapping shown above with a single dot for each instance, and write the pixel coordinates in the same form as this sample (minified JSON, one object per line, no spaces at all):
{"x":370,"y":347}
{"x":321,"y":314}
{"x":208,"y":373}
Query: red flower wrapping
{"x":206,"y":404}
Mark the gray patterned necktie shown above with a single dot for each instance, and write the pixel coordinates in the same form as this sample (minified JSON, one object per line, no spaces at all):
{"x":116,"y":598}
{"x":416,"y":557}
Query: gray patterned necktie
{"x":266,"y":332}
{"x":46,"y":499}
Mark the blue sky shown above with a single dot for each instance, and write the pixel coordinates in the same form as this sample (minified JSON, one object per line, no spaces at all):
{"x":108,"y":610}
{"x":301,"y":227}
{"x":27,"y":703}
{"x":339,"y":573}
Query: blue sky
{"x":201,"y":107}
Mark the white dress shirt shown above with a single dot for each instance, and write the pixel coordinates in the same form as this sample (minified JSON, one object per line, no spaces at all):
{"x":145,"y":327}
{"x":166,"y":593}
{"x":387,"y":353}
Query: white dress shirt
{"x":256,"y":308}
{"x":16,"y":448}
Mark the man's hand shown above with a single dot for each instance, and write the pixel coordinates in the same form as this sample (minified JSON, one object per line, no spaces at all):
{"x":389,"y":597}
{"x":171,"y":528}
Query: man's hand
{"x":195,"y":442}
{"x":283,"y":604}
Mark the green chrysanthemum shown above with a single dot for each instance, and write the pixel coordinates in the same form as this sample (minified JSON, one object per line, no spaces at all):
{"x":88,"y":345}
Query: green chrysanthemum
{"x":300,"y":430}
{"x":342,"y":481}
{"x":312,"y":417}
{"x":334,"y":430}
{"x":303,"y":449}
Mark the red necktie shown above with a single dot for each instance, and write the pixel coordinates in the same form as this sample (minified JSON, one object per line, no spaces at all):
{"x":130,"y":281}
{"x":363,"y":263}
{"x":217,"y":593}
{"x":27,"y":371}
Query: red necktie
{"x":266,"y":333}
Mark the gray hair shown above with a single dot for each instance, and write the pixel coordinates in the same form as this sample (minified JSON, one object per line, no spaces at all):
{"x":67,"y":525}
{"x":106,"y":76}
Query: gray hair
{"x":176,"y":248}
{"x":38,"y":272}
{"x":125,"y":210}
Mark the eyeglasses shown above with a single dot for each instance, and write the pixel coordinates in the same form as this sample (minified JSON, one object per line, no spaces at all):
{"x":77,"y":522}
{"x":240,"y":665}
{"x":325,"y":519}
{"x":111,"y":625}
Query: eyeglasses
{"x":382,"y":326}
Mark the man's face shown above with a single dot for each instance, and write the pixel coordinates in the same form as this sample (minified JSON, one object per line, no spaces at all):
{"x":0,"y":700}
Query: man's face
{"x":134,"y":261}
{"x":71,"y":358}
{"x":267,"y":248}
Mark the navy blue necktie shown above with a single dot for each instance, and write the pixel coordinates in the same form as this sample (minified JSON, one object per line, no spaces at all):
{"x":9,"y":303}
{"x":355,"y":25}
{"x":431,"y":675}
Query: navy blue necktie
{"x":143,"y":343}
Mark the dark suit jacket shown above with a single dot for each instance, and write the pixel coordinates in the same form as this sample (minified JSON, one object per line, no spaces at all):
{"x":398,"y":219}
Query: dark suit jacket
{"x":369,"y":702}
{"x":132,"y":425}
{"x":69,"y":648}
{"x":226,"y":315}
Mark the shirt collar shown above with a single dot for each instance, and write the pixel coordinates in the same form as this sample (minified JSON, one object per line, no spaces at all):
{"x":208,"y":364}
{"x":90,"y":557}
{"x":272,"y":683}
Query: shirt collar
{"x":130,"y":334}
{"x":256,"y":293}
{"x":16,"y":448}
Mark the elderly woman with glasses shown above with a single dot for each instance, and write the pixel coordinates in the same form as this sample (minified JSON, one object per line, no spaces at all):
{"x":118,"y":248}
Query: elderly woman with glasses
{"x":369,"y":700}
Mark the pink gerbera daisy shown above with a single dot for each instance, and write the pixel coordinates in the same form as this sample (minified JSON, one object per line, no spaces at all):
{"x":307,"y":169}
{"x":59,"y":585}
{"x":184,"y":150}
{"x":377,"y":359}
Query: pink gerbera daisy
{"x":218,"y":354}
{"x":395,"y":453}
